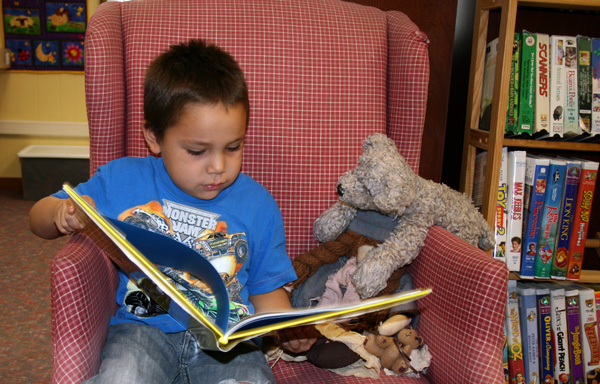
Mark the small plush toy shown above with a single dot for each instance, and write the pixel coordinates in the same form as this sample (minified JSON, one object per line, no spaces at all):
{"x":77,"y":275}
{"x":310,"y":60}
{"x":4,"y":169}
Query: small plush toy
{"x":394,"y":352}
{"x":394,"y":343}
{"x":383,"y":182}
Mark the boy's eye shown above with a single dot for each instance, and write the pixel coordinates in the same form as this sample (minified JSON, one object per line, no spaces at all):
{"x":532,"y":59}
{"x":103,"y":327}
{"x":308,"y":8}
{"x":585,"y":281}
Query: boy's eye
{"x":235,"y":148}
{"x":195,"y":153}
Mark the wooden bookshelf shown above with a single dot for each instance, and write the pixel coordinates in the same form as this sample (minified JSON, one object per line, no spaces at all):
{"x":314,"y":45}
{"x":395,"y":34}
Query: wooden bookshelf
{"x":492,"y":141}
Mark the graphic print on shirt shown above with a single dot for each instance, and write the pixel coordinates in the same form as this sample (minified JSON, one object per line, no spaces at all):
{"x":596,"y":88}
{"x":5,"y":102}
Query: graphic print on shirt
{"x":201,"y":231}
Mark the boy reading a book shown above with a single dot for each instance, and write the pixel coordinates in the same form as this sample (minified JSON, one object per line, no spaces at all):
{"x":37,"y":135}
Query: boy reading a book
{"x":196,"y":111}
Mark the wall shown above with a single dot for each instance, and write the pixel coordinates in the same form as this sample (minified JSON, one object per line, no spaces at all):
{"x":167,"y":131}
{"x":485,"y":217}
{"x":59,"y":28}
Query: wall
{"x":39,"y":108}
{"x":437,"y":19}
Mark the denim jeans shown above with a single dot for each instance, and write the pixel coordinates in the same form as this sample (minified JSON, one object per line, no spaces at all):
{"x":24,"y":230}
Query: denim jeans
{"x":136,"y":353}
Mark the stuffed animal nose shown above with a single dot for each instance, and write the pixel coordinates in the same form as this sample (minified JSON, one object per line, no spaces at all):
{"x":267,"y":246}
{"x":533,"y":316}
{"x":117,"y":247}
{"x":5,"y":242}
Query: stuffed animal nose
{"x":340,"y":190}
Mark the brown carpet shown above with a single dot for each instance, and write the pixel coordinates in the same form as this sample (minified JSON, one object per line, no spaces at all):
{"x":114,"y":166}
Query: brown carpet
{"x":25,"y":320}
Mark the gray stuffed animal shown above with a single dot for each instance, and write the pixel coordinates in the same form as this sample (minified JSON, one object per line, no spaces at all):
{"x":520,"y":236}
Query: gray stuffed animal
{"x":383,"y":182}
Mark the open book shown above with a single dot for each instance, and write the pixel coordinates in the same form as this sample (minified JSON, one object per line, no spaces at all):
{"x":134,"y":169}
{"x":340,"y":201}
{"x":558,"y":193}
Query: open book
{"x":141,"y":254}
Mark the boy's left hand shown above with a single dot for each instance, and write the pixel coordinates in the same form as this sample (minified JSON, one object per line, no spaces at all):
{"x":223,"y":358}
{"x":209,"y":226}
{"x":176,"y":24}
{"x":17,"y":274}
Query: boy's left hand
{"x":298,"y":339}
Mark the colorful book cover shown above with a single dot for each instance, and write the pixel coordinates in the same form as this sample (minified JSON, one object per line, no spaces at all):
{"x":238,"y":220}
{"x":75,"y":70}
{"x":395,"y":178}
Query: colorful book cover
{"x":501,"y":217}
{"x":567,"y":210}
{"x":542,"y":85}
{"x":545,"y":333}
{"x":562,"y":370}
{"x":557,"y":84}
{"x":516,"y":365}
{"x":584,"y":80}
{"x":527,"y":83}
{"x":550,"y":216}
{"x":571,"y":127}
{"x":575,"y":335}
{"x":487,"y":93}
{"x":517,"y":162}
{"x":581,"y":218}
{"x":529,"y":330}
{"x":512,"y":113}
{"x":536,"y":178}
{"x":595,"y":86}
{"x":589,"y":327}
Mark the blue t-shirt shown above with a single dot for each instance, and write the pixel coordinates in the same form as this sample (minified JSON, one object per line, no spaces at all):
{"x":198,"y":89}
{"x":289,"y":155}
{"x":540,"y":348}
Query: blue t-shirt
{"x":240,"y":232}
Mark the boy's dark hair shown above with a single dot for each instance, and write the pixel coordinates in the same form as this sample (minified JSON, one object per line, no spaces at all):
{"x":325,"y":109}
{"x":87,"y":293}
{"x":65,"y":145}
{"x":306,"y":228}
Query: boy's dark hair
{"x":192,"y":72}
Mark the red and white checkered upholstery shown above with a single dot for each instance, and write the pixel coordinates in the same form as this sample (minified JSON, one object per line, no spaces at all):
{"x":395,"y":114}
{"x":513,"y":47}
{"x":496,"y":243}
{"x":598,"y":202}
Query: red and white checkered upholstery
{"x":322,"y":75}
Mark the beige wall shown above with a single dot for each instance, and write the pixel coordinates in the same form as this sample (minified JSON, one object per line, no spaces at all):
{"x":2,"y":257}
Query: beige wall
{"x":30,"y":101}
{"x":40,"y":108}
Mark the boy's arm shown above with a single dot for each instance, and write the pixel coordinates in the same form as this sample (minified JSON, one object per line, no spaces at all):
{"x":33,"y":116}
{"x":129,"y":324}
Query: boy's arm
{"x":296,"y":340}
{"x":52,"y":217}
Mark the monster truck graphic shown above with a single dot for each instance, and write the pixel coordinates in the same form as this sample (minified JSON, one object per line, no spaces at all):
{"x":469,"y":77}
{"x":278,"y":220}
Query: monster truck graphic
{"x":149,"y":221}
{"x":221,"y":244}
{"x":203,"y":299}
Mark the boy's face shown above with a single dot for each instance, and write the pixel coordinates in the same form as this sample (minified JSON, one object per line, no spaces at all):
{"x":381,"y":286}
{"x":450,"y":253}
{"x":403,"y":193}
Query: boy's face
{"x":203,"y":151}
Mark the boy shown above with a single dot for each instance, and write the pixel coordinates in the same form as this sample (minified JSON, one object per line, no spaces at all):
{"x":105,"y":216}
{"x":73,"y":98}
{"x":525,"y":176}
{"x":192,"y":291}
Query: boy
{"x":196,"y":112}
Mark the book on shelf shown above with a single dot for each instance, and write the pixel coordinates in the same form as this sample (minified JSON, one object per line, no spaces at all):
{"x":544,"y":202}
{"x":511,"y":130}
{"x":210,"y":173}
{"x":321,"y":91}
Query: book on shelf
{"x":545,"y":331}
{"x":574,"y":334}
{"x":595,"y":72}
{"x":204,"y":312}
{"x":557,"y":85}
{"x":589,"y":328}
{"x":567,"y":210}
{"x":527,"y":83}
{"x":529,"y":330}
{"x":541,"y":125}
{"x":581,"y":218}
{"x":536,"y":178}
{"x":571,"y":127}
{"x":512,"y":113}
{"x":501,"y":220}
{"x":479,"y":179}
{"x":516,"y":365}
{"x":517,"y":162}
{"x":550,"y":215}
{"x":491,"y":53}
{"x":584,"y":82}
{"x":562,"y":370}
{"x":505,"y":352}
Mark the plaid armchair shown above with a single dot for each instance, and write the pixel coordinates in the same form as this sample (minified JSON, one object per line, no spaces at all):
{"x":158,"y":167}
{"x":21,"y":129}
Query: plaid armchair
{"x":323,"y":75}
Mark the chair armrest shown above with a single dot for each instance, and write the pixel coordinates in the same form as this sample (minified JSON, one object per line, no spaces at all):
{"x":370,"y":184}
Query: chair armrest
{"x":462,"y":321}
{"x":84,"y":283}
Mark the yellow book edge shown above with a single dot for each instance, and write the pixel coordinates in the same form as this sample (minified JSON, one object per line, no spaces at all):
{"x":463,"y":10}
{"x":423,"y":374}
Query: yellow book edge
{"x":365,"y":306}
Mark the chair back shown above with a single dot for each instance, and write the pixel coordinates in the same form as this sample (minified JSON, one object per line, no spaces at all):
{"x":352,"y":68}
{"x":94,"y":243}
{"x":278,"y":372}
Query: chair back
{"x":322,"y":76}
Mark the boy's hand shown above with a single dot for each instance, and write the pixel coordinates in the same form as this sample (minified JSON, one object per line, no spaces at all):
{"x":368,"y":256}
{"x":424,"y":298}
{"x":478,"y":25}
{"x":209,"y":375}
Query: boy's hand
{"x":298,"y":339}
{"x":66,"y":220}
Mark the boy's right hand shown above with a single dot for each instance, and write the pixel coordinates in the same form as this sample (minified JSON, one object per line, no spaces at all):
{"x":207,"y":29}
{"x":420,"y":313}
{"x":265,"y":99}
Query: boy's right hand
{"x":65,"y":218}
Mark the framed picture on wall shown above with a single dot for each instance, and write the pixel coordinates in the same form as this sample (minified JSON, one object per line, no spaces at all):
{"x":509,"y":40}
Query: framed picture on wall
{"x":45,"y":35}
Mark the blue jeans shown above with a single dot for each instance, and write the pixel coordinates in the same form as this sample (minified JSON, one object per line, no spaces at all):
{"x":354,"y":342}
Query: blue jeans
{"x":136,"y":353}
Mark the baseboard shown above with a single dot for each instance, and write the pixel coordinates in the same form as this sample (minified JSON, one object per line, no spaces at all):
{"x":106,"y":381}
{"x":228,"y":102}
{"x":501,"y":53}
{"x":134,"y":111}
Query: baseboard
{"x":11,"y":183}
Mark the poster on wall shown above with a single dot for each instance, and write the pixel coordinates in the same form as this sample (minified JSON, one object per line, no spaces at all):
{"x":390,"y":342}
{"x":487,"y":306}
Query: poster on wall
{"x":45,"y":35}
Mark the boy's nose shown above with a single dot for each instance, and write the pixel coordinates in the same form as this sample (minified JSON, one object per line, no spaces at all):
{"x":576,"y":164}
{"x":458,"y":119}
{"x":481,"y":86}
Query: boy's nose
{"x":217,"y":164}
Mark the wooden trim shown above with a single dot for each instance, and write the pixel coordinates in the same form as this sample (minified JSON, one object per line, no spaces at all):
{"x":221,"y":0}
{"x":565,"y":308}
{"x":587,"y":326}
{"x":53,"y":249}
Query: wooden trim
{"x":11,"y":183}
{"x":44,"y":128}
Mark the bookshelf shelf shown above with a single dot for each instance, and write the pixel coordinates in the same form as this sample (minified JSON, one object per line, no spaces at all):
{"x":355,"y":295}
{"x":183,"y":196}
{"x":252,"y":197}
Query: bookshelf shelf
{"x":492,"y":141}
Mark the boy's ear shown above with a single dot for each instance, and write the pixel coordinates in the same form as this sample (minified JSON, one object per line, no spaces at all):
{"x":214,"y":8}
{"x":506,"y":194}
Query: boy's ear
{"x":152,"y":141}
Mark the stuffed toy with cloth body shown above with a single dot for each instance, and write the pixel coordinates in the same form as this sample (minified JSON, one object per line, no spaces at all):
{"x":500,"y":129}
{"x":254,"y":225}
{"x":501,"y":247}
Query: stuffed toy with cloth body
{"x":383,"y":182}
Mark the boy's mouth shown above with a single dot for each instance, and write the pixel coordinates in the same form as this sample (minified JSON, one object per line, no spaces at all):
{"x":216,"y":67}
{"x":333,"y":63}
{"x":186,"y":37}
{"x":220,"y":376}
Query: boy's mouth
{"x":213,"y":187}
